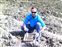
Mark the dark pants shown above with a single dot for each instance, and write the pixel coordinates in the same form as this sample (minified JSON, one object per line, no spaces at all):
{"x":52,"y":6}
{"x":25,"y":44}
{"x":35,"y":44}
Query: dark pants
{"x":31,"y":29}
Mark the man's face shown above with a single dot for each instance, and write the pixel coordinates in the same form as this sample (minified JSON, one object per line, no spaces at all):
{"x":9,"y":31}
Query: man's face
{"x":33,"y":11}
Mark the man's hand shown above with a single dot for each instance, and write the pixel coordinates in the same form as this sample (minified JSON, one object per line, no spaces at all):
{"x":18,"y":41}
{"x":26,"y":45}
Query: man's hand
{"x":25,"y":28}
{"x":43,"y":28}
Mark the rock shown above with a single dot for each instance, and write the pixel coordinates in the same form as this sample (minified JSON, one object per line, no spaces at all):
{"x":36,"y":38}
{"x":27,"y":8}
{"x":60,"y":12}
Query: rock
{"x":9,"y":40}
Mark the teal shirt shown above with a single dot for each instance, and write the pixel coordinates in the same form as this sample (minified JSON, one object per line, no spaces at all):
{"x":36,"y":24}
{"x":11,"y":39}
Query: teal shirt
{"x":33,"y":21}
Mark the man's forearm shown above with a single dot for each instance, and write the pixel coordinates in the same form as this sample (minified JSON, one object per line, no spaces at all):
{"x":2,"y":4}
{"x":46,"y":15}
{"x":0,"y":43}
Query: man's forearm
{"x":25,"y":28}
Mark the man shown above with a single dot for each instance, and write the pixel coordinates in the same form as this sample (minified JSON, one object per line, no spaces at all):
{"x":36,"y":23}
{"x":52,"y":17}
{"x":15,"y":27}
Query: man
{"x":33,"y":21}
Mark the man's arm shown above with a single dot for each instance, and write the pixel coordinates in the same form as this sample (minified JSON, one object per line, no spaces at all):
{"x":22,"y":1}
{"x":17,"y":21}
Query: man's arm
{"x":43,"y":28}
{"x":42,"y":23}
{"x":26,"y":20}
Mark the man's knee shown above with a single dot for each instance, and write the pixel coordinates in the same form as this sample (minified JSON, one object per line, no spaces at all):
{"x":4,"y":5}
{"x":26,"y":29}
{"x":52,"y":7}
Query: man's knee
{"x":38,"y":24}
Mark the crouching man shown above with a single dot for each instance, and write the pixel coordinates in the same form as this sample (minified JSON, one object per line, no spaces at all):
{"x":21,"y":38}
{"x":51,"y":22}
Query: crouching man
{"x":33,"y":21}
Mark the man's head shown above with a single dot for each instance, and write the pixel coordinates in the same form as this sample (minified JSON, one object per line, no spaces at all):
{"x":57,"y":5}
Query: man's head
{"x":33,"y":11}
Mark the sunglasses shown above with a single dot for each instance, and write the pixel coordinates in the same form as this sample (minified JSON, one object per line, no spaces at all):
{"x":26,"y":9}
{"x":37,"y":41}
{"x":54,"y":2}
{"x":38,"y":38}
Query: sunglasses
{"x":33,"y":12}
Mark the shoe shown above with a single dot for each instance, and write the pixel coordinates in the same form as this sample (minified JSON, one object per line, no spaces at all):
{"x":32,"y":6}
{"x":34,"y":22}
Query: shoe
{"x":36,"y":43}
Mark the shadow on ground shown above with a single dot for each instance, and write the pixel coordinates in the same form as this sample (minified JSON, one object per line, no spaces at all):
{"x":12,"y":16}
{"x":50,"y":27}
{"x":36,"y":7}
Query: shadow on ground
{"x":18,"y":33}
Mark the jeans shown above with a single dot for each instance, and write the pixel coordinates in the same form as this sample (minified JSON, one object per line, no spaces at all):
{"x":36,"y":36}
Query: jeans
{"x":31,"y":29}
